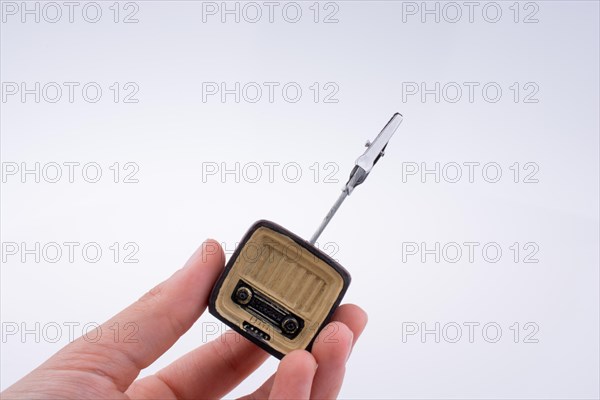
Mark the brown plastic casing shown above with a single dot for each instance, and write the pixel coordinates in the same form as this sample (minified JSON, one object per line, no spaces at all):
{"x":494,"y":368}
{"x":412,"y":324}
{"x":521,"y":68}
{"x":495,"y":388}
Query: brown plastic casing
{"x":277,"y":290}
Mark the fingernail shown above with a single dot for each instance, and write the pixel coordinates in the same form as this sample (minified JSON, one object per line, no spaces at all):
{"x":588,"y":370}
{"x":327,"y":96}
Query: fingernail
{"x":199,"y":252}
{"x":210,"y":248}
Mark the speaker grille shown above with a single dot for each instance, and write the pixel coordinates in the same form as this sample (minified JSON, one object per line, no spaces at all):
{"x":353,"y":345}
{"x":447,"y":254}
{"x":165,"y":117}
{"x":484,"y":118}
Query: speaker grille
{"x":291,"y":281}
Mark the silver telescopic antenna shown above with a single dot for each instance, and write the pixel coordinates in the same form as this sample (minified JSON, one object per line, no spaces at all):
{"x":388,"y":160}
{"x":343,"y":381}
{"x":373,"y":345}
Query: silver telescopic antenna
{"x":364,"y":164}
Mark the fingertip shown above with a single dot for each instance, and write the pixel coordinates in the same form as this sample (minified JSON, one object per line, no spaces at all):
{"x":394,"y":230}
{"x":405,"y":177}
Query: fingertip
{"x":212,"y":250}
{"x":359,"y":314}
{"x":191,"y":286}
{"x":356,"y":312}
{"x":345,"y":333}
{"x":342,"y":333}
{"x":353,"y":317}
{"x":301,"y":360}
{"x":209,"y":253}
{"x":334,"y":343}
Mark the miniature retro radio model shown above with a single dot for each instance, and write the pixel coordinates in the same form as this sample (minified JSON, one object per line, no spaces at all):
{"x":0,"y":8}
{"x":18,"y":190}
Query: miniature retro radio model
{"x":278,"y":290}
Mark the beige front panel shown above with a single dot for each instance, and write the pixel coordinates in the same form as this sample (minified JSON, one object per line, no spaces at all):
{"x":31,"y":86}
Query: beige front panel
{"x":287,"y":274}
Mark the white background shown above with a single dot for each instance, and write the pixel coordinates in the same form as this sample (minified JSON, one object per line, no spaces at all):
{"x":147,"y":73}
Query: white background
{"x":369,"y":57}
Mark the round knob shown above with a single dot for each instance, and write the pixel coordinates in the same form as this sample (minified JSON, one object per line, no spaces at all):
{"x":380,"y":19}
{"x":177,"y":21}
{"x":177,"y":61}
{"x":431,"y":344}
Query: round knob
{"x":290,"y":325}
{"x":243,"y":295}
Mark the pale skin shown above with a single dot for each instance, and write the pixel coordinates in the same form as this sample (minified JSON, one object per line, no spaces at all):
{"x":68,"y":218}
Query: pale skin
{"x":108,"y":368}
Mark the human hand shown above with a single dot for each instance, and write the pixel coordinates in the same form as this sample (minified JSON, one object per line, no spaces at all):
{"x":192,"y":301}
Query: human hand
{"x":107,"y":369}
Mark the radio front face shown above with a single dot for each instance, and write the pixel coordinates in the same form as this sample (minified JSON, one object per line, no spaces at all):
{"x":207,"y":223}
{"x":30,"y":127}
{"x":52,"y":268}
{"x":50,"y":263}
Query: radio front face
{"x":278,"y":290}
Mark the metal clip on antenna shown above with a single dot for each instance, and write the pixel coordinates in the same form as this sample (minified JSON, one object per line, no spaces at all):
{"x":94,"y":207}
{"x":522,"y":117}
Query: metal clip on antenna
{"x":364,"y":164}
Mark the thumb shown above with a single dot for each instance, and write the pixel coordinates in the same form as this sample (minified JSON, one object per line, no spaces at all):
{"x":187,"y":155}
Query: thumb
{"x":150,"y":326}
